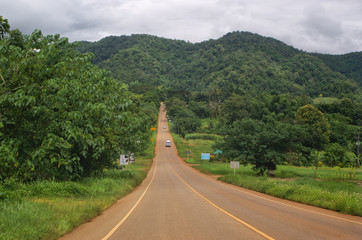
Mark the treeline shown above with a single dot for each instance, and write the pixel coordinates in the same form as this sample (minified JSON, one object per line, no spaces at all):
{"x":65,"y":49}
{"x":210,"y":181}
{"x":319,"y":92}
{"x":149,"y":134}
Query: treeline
{"x":268,"y":130}
{"x":61,"y":117}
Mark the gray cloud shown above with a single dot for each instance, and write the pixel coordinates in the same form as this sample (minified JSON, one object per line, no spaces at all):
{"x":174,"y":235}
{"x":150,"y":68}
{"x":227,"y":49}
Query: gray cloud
{"x":328,"y":26}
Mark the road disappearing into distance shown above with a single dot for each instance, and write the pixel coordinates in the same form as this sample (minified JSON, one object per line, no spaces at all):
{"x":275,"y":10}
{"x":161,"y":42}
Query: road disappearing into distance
{"x":177,"y":202}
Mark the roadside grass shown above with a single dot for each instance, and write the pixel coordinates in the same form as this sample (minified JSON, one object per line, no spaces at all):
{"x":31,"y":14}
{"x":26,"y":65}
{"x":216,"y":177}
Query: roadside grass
{"x":50,"y":209}
{"x":194,"y":146}
{"x":338,"y":189}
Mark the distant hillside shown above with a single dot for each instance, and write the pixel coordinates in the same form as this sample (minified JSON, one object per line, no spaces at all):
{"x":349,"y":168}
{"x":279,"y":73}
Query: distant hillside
{"x":348,"y":64}
{"x":239,"y":62}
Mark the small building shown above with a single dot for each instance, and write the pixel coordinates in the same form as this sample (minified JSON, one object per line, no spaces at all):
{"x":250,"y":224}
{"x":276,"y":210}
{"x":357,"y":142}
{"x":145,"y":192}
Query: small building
{"x":216,"y":156}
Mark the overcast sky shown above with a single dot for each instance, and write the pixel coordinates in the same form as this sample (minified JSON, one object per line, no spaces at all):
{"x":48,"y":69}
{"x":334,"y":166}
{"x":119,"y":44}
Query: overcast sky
{"x":324,"y":26}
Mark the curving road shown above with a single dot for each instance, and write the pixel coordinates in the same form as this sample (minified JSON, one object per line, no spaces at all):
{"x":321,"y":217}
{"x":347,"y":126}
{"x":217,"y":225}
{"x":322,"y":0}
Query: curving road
{"x":177,"y":202}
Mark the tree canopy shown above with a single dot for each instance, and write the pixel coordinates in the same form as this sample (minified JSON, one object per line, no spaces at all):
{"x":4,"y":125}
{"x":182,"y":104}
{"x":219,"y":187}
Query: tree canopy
{"x":60,"y":116}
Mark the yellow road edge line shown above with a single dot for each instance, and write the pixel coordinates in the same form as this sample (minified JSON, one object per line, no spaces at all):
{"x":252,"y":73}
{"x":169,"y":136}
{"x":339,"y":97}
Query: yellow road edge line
{"x":237,"y":188}
{"x":131,"y":210}
{"x":240,"y":189}
{"x":224,"y":211}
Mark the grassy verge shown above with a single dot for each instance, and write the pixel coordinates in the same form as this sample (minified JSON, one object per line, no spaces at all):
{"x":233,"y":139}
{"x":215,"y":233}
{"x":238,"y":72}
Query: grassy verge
{"x":49,"y":209}
{"x":331,"y":188}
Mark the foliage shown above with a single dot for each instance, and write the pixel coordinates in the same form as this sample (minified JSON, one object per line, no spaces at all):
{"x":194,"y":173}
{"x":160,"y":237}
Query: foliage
{"x":4,"y":27}
{"x":16,"y":38}
{"x":341,"y":129}
{"x":184,"y":120}
{"x":262,"y":144}
{"x":335,"y":155}
{"x":345,"y":107}
{"x":61,"y":117}
{"x":316,"y":124}
{"x":347,"y":64}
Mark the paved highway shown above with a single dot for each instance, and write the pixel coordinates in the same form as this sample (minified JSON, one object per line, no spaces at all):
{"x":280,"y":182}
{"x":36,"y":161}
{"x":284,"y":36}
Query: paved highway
{"x":177,"y":202}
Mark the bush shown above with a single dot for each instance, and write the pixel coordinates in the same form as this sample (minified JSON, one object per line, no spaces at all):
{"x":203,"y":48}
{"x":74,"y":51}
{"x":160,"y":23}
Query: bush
{"x":335,"y":155}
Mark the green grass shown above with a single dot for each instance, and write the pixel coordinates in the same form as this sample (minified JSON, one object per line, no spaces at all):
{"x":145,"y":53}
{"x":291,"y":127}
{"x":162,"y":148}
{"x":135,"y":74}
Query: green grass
{"x":194,"y":146}
{"x":49,"y":209}
{"x":338,"y":189}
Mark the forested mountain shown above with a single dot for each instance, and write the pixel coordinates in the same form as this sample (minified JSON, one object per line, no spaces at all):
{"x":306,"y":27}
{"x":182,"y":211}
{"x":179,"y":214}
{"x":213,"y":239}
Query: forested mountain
{"x":273,"y":104}
{"x":239,"y":62}
{"x":347,"y":64}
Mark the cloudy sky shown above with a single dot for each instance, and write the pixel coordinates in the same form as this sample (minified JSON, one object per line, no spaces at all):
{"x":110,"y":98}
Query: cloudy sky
{"x":325,"y":26}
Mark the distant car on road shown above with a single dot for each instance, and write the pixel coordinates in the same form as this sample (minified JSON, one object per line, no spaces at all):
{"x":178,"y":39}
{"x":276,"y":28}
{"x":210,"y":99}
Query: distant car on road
{"x":168,"y":143}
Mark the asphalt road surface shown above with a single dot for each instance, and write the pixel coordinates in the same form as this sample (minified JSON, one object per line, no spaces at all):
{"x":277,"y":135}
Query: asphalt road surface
{"x":177,"y":202}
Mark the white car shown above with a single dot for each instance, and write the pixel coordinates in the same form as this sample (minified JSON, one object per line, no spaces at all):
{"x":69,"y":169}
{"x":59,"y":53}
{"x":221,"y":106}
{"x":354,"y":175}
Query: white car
{"x":168,"y":143}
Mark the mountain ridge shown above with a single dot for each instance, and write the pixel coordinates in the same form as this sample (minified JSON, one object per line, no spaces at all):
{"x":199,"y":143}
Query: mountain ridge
{"x":240,"y":62}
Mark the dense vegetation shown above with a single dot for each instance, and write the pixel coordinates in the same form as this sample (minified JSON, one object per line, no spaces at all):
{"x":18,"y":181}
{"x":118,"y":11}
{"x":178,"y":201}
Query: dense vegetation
{"x":240,"y":62}
{"x":272,"y":103}
{"x":348,"y":64}
{"x":60,"y":116}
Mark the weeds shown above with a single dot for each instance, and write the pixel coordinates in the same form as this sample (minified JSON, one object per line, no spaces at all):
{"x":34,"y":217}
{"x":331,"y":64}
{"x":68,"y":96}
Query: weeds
{"x":55,"y":208}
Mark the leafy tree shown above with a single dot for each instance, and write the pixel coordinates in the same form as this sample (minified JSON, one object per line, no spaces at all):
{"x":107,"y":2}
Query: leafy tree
{"x":17,"y":39}
{"x":4,"y":27}
{"x":237,"y":107}
{"x":262,"y":144}
{"x":185,"y":125}
{"x":335,"y":155}
{"x":342,"y":132}
{"x":61,"y":117}
{"x":174,"y":102}
{"x":199,"y":108}
{"x":316,"y":125}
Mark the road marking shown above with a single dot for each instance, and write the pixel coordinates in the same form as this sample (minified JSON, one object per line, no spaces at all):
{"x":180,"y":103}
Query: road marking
{"x":222,"y":210}
{"x":239,"y":189}
{"x":132,"y":209}
{"x":299,"y":208}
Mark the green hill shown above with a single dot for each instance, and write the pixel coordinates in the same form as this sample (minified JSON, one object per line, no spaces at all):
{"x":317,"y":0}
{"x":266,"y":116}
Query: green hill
{"x":239,"y":62}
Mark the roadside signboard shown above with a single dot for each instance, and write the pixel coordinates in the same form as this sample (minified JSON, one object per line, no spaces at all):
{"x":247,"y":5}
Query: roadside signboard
{"x":132,"y":158}
{"x":205,"y":156}
{"x":234,"y":165}
{"x":123,"y":160}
